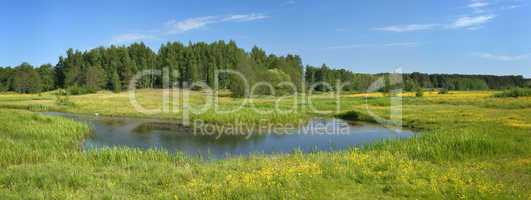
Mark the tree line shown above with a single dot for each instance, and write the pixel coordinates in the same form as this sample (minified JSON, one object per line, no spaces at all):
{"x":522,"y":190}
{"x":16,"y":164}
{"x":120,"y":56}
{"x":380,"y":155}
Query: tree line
{"x":410,"y":81}
{"x":112,"y":68}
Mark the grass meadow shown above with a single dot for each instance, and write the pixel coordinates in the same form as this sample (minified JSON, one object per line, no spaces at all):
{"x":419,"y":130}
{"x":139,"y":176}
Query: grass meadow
{"x":471,"y":145}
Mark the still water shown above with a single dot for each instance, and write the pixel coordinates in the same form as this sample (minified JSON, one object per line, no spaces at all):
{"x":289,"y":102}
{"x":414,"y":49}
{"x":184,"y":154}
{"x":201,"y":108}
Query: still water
{"x":316,"y":135}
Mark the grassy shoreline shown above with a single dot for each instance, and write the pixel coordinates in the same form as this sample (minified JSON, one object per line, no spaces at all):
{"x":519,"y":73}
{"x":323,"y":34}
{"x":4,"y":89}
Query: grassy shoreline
{"x":468,"y":149}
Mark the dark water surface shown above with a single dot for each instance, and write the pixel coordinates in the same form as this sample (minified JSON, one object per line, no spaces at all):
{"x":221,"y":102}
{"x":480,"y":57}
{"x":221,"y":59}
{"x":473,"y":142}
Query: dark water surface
{"x":317,"y":135}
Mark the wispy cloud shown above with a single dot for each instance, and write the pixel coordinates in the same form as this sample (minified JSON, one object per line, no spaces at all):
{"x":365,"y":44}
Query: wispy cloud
{"x":475,"y":19}
{"x":175,"y":27}
{"x":355,"y":46}
{"x":181,"y":26}
{"x":244,"y":18}
{"x":502,"y":57}
{"x":478,"y":6}
{"x":510,"y":7}
{"x":130,"y":37}
{"x":464,"y":22}
{"x":408,"y":28}
{"x":471,"y":22}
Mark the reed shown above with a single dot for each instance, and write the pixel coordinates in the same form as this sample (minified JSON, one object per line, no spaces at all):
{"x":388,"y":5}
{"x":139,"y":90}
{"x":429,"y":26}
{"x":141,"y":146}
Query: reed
{"x":469,"y":145}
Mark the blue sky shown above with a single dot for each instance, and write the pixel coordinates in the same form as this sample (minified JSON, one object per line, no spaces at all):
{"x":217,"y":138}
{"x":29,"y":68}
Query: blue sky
{"x":466,"y":36}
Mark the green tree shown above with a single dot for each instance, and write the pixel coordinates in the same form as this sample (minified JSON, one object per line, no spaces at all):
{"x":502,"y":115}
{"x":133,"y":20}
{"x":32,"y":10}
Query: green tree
{"x":6,"y":74}
{"x":94,"y":78}
{"x":144,"y":59}
{"x":237,"y":84}
{"x":47,"y":74}
{"x":26,"y":79}
{"x":116,"y":84}
{"x":275,"y":77}
{"x":419,"y":92}
{"x":199,"y":62}
{"x":259,"y":56}
{"x":126,"y":68}
{"x":72,"y":67}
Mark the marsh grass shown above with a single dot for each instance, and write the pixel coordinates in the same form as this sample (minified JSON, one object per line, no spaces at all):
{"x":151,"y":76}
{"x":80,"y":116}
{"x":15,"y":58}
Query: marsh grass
{"x":469,"y":146}
{"x":442,"y":146}
{"x":514,"y":92}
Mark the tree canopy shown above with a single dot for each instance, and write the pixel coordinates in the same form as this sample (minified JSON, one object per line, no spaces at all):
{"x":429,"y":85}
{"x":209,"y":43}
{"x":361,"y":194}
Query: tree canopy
{"x":113,"y":67}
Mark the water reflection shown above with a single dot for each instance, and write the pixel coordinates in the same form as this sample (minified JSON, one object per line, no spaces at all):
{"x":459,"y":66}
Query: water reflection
{"x":318,"y":134}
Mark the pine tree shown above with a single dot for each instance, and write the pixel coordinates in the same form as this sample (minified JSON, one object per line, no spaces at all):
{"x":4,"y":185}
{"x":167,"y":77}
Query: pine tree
{"x":116,"y":85}
{"x":94,"y":78}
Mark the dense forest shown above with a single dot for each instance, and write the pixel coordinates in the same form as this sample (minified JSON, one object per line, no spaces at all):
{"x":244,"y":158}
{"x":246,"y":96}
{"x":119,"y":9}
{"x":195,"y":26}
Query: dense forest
{"x":112,"y":68}
{"x":411,"y":81}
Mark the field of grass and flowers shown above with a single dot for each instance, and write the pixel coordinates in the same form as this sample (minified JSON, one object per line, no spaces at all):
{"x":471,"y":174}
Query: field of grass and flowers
{"x":470,"y":145}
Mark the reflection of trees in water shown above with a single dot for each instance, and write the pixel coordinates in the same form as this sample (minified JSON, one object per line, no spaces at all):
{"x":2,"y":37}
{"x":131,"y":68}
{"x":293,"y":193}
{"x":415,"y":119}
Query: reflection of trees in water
{"x":148,"y":127}
{"x":212,"y":141}
{"x":112,"y":122}
{"x":223,"y":141}
{"x":149,"y":133}
{"x":177,"y":135}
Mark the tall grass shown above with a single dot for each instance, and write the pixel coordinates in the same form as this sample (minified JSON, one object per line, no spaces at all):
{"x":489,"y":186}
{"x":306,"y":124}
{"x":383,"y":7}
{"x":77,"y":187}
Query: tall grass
{"x":468,"y":143}
{"x":515,"y":92}
{"x":31,"y":138}
{"x":462,"y":151}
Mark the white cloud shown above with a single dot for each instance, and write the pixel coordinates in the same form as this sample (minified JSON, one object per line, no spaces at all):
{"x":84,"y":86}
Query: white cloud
{"x":130,"y":37}
{"x":509,"y":7}
{"x":502,"y":57}
{"x":471,"y":22}
{"x":477,"y":4}
{"x":468,"y":22}
{"x":355,"y":46}
{"x":244,"y":18}
{"x":174,"y":27}
{"x":408,"y":28}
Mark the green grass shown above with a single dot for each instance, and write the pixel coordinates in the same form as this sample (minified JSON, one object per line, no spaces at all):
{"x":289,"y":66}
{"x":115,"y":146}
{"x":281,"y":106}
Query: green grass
{"x":470,"y":146}
{"x":515,"y":92}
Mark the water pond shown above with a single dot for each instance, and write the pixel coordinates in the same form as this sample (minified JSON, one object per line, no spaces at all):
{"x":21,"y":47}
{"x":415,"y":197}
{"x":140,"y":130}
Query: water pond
{"x":316,"y":135}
